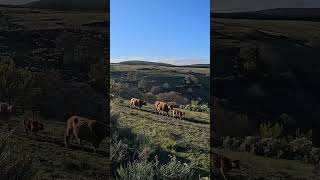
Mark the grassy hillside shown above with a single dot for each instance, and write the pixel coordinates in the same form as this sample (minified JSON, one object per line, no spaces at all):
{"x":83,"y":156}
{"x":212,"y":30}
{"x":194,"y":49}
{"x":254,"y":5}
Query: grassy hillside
{"x":188,"y":139}
{"x":266,"y":70}
{"x":63,"y":52}
{"x":53,"y":160}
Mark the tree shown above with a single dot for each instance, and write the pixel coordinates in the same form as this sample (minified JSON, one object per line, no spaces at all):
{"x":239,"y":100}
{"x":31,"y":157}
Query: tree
{"x":155,"y":90}
{"x":143,"y":85}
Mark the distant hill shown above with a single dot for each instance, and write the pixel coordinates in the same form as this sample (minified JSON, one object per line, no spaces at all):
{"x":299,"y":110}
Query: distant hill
{"x":162,"y":64}
{"x":199,"y":65}
{"x":304,"y":14}
{"x":135,"y":62}
{"x":76,"y":5}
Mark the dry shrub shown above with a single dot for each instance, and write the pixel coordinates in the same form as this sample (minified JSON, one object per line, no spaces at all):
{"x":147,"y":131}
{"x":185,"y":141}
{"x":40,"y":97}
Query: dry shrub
{"x":172,"y":97}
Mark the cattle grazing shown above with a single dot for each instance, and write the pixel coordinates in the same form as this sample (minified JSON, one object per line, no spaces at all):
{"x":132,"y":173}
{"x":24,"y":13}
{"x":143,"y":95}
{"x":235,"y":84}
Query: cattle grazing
{"x":32,"y":125}
{"x":137,"y":103}
{"x":164,"y":107}
{"x":220,"y":164}
{"x":177,"y":113}
{"x":85,"y":129}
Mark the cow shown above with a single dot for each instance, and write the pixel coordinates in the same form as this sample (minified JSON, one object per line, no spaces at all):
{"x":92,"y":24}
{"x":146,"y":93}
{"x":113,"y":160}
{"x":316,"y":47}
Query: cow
{"x":164,"y":107}
{"x":85,"y":129}
{"x":220,"y":163}
{"x":137,"y":103}
{"x":178,"y":113}
{"x":6,"y":112}
{"x":156,"y":104}
{"x":30,"y":124}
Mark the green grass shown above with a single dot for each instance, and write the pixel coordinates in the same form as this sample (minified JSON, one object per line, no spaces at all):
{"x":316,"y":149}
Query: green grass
{"x":267,"y":168}
{"x":186,"y":139}
{"x":43,"y":19}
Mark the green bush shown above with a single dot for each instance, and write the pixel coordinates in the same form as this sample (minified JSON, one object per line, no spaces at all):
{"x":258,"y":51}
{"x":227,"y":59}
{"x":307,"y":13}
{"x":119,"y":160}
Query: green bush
{"x":195,"y":102}
{"x":152,"y":170}
{"x":13,"y":80}
{"x":270,"y":131}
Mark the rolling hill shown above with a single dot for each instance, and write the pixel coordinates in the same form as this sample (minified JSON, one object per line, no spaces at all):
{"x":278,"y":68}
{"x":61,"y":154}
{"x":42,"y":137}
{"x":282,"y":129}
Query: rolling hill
{"x":305,"y":14}
{"x":136,"y":62}
{"x":77,"y":5}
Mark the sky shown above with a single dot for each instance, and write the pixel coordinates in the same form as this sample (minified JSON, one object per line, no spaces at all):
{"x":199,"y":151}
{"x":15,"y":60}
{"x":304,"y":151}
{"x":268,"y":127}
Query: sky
{"x":254,"y":5}
{"x":170,"y":31}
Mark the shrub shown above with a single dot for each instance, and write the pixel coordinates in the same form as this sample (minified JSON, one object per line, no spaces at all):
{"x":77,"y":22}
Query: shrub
{"x":155,"y":90}
{"x":195,"y":102}
{"x":300,"y":147}
{"x":149,"y":97}
{"x":128,"y":92}
{"x":143,"y":170}
{"x":14,"y":81}
{"x":115,"y":87}
{"x":172,"y":97}
{"x":150,"y":170}
{"x":268,"y":131}
{"x":143,"y":85}
{"x":175,"y":170}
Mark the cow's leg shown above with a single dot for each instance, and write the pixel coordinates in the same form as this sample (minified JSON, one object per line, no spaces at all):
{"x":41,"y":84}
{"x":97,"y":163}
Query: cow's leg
{"x":67,"y":137}
{"x":95,"y":147}
{"x":221,"y":171}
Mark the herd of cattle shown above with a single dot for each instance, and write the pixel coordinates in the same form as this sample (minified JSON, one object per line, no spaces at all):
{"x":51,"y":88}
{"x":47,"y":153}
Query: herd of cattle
{"x":160,"y":107}
{"x":78,"y":127}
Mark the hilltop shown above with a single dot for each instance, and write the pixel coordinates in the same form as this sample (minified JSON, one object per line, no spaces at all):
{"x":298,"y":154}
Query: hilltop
{"x":305,"y":14}
{"x":136,"y":62}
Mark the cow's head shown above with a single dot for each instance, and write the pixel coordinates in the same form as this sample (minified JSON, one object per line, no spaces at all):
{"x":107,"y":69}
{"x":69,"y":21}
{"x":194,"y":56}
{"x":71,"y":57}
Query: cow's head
{"x":144,"y":103}
{"x":171,"y":107}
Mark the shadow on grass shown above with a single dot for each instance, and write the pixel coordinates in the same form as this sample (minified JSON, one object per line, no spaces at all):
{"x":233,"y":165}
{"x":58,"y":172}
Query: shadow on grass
{"x":59,"y":142}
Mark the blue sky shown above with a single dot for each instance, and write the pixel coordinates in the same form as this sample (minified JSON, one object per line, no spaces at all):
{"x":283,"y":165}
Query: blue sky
{"x":172,"y":31}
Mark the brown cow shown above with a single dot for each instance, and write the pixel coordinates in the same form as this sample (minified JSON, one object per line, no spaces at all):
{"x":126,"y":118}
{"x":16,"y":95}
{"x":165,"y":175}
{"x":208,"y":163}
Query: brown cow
{"x":156,"y":104}
{"x":85,"y":129}
{"x":164,"y":107}
{"x":178,"y":113}
{"x":32,"y":125}
{"x":6,"y":112}
{"x":137,"y":103}
{"x":221,"y":163}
